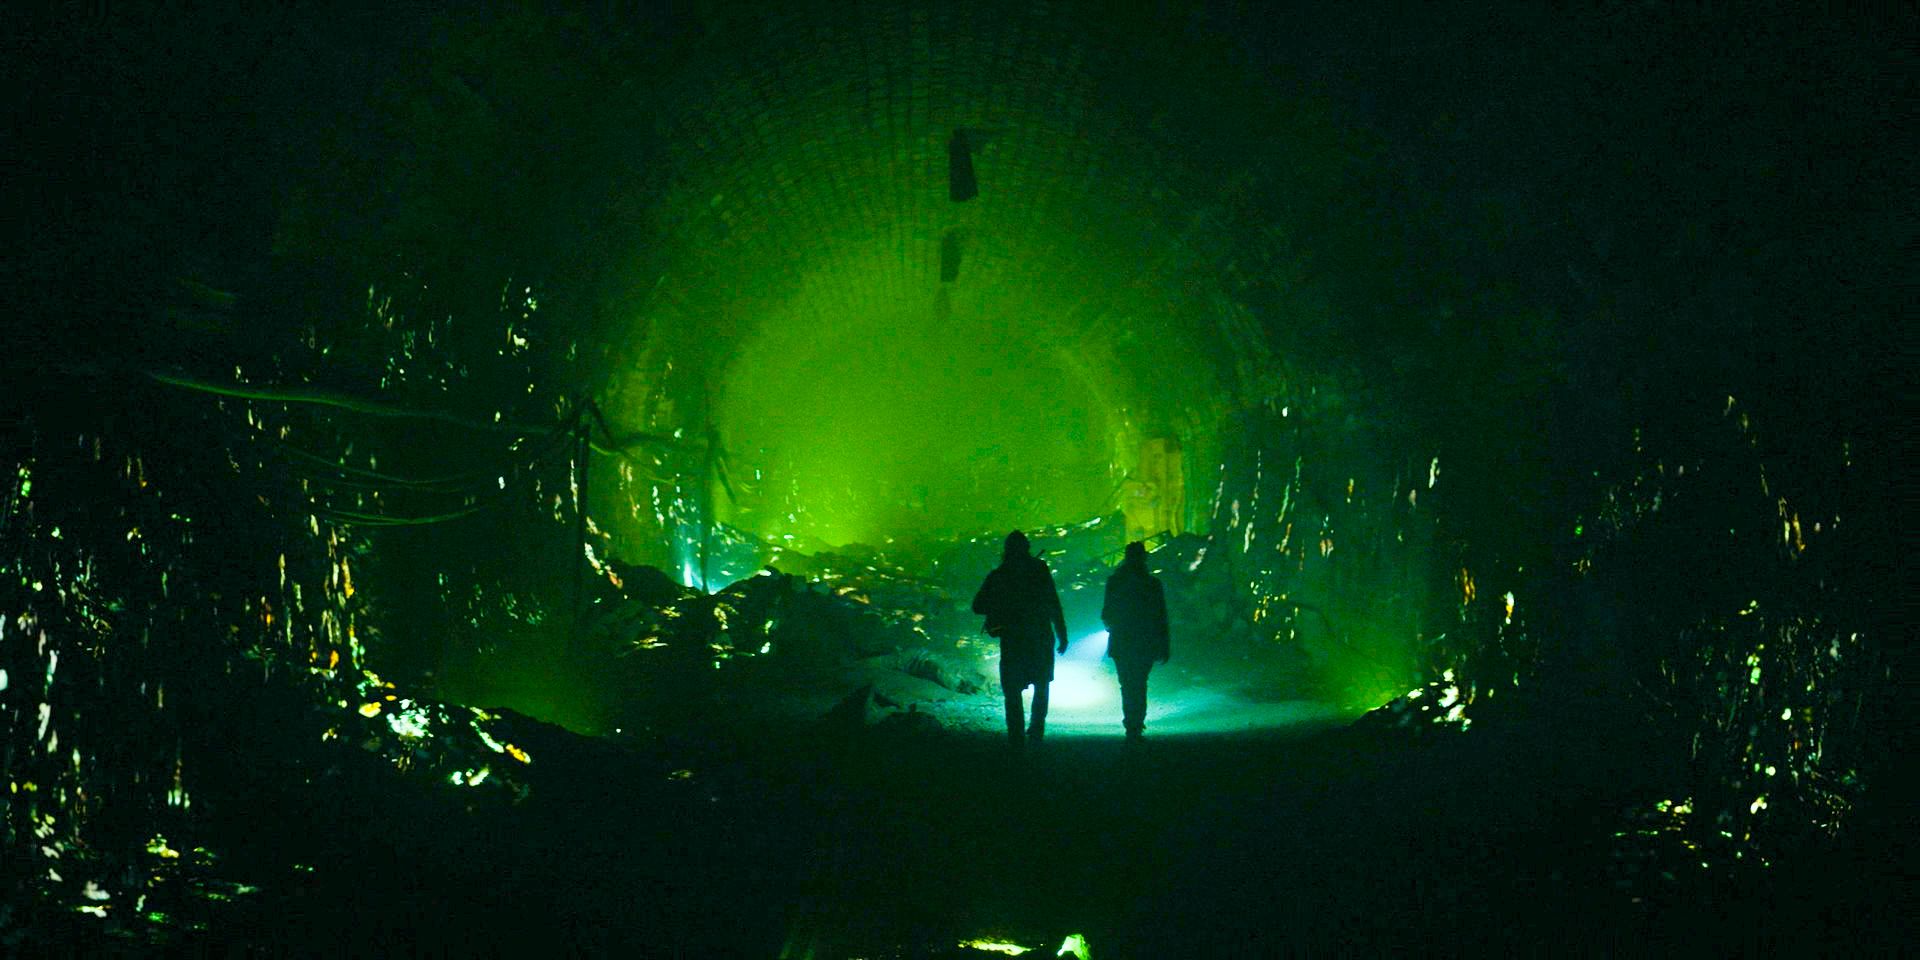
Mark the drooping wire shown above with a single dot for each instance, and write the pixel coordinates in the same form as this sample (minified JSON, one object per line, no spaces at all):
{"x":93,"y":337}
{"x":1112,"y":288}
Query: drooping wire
{"x":369,"y":477}
{"x":479,"y":489}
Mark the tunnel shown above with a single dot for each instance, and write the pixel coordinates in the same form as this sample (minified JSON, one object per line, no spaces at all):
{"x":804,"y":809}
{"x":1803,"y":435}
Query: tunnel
{"x":510,"y":480}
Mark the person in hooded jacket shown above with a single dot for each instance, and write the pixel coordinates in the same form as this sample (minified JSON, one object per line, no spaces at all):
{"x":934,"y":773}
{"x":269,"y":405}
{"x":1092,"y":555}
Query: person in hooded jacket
{"x":1135,"y":613}
{"x":1022,"y":608}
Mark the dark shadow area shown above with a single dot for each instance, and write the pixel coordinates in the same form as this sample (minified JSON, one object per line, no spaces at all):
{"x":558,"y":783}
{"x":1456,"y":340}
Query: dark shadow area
{"x":903,"y":844}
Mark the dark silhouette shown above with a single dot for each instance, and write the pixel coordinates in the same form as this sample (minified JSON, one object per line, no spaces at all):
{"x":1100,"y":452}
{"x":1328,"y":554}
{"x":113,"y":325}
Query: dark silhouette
{"x":1135,"y":613}
{"x":1022,"y":608}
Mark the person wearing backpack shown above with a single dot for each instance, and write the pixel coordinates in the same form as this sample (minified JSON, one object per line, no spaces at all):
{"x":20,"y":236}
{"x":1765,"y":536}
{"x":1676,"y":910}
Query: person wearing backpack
{"x":1022,"y":608}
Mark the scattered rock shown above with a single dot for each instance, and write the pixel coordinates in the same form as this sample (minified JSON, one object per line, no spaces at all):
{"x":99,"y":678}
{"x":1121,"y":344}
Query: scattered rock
{"x":851,"y":713}
{"x":909,"y":722}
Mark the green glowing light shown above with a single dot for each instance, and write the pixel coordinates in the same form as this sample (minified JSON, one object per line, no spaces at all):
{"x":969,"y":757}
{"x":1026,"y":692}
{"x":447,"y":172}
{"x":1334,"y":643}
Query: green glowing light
{"x":470,"y":778}
{"x":410,"y":723}
{"x":1076,"y":945}
{"x":995,"y":946}
{"x":488,"y":739}
{"x":901,"y":415}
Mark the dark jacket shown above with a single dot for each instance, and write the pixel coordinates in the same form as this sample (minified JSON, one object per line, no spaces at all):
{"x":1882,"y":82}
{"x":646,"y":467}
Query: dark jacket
{"x":1135,"y":613}
{"x":1022,"y":608}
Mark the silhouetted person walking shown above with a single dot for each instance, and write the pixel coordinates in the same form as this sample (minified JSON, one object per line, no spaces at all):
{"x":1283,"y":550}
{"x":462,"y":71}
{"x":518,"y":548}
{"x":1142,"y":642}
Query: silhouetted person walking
{"x":1135,"y":613}
{"x":1022,"y":608}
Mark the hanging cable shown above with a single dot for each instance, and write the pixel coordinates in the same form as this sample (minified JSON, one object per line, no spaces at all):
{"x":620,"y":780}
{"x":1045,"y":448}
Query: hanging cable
{"x":338,"y":401}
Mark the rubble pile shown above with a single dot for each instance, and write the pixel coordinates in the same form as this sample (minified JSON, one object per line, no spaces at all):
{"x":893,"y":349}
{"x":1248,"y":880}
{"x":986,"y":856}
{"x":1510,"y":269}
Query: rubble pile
{"x":808,"y":634}
{"x":782,"y":639}
{"x":461,"y":746}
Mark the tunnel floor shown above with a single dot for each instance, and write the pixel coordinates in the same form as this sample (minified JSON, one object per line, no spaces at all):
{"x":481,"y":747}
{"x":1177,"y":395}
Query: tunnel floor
{"x":799,"y":841}
{"x":1084,"y":701}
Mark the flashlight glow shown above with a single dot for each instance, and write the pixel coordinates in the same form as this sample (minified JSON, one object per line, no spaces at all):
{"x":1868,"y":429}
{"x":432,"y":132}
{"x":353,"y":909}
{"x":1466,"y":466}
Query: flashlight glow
{"x":1092,"y":647}
{"x":1084,"y":699}
{"x":1083,"y":691}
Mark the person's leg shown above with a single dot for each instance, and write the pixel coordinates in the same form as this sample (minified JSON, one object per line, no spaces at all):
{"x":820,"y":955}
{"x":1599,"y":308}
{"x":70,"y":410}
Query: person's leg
{"x":1133,"y":694}
{"x":1038,"y":727}
{"x":1015,"y":723}
{"x":1135,"y":697}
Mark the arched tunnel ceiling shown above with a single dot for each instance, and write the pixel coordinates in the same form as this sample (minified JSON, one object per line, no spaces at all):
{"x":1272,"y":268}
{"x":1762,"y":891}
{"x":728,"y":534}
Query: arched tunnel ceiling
{"x":1184,"y":211}
{"x":803,"y":214}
